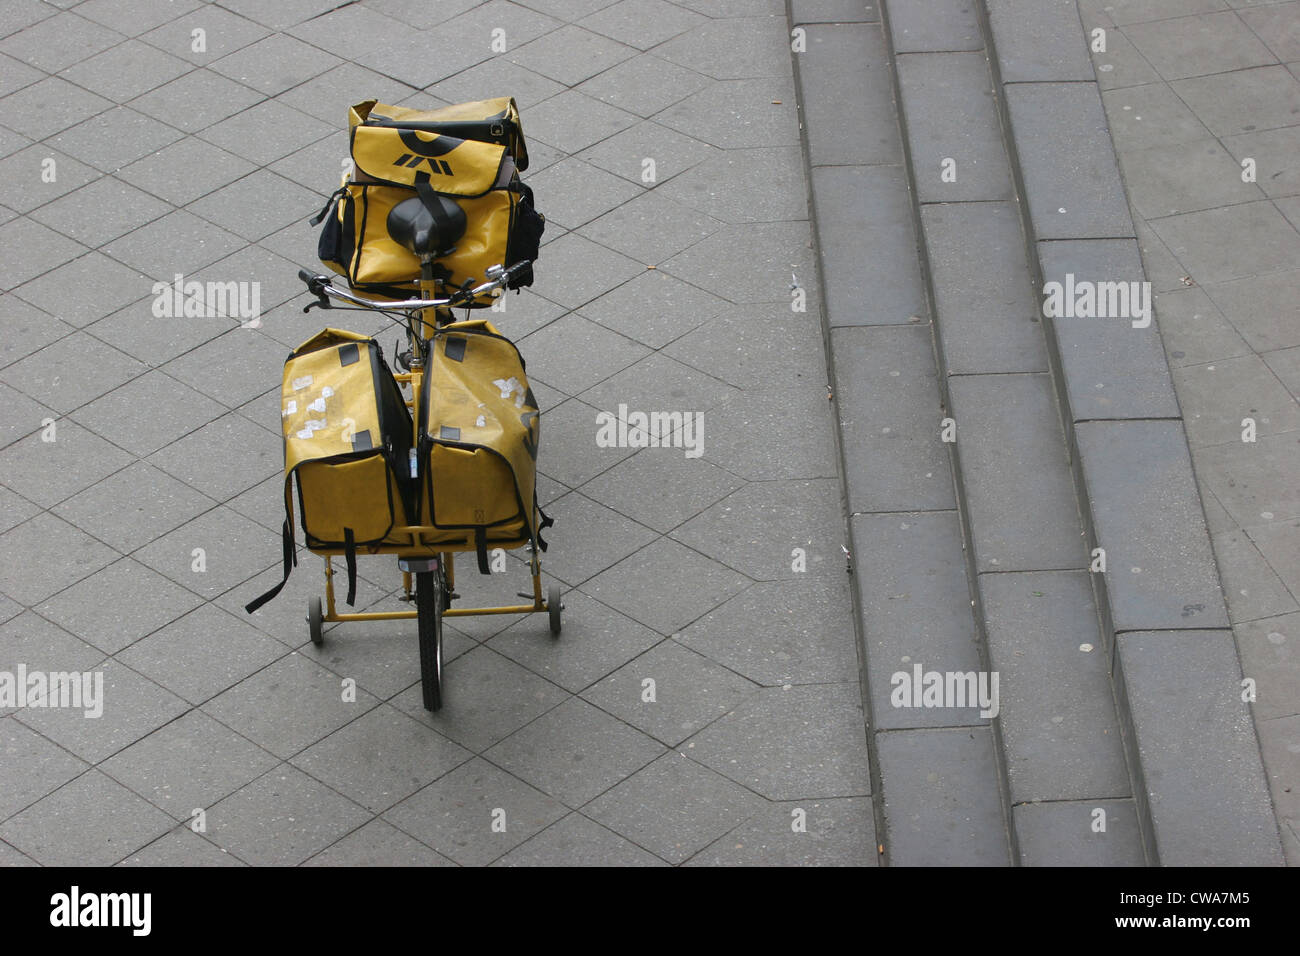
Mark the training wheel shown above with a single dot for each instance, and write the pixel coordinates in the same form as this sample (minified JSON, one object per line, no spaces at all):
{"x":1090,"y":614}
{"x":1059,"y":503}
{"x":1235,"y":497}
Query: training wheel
{"x":314,"y":621}
{"x":553,"y":605}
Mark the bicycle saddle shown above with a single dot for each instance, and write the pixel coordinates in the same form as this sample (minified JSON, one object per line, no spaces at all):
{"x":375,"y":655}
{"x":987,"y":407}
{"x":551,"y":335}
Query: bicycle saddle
{"x":424,"y":232}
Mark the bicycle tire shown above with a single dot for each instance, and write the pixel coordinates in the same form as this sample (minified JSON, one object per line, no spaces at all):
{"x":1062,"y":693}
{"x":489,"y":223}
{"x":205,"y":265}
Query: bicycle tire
{"x":428,"y":606}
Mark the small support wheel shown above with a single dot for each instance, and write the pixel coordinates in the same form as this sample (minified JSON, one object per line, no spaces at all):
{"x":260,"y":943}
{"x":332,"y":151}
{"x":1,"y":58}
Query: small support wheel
{"x":314,"y":618}
{"x":554,"y":606}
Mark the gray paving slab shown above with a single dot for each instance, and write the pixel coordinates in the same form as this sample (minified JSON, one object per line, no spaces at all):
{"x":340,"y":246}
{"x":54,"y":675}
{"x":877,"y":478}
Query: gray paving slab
{"x":1067,"y":162}
{"x":1019,"y":494}
{"x":955,"y":138}
{"x":789,"y":632}
{"x":91,"y":821}
{"x":203,"y":653}
{"x":1212,"y":419}
{"x":834,"y":11}
{"x":864,"y":216}
{"x":1113,"y":369}
{"x":575,"y":752}
{"x":688,"y":692}
{"x":33,"y":766}
{"x":282,"y":818}
{"x":988,"y":322}
{"x":475,"y":814}
{"x":181,"y":847}
{"x":847,"y":106}
{"x":287,"y":706}
{"x":1200,"y":756}
{"x":697,"y":584}
{"x":1039,"y":40}
{"x":795,"y":424}
{"x":1266,"y":242}
{"x":916,"y":610}
{"x":890,"y":418}
{"x":756,"y":529}
{"x":941,"y":798}
{"x":578,"y":841}
{"x":1228,"y":103}
{"x":188,"y":764}
{"x":918,"y":26}
{"x":400,"y":757}
{"x":674,"y":807}
{"x":1160,"y":571}
{"x":1256,"y":308}
{"x":817,"y":756}
{"x":54,"y":555}
{"x":1067,"y":833}
{"x":378,"y":844}
{"x":1059,"y":728}
{"x":486,"y":699}
{"x":806,"y":833}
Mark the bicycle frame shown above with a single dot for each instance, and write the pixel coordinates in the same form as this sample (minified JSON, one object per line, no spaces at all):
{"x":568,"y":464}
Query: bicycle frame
{"x":423,"y":324}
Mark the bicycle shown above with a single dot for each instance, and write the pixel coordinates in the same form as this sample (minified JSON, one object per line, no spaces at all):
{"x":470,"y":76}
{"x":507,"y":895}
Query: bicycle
{"x":427,"y":565}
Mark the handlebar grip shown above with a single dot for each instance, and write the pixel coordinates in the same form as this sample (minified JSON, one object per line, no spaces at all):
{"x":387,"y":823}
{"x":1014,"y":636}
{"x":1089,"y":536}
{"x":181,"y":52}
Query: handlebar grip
{"x":306,"y":277}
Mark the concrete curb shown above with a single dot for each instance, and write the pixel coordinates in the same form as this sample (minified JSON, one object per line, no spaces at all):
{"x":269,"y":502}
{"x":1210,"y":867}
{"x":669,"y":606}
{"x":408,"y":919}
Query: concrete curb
{"x":1075,"y":220}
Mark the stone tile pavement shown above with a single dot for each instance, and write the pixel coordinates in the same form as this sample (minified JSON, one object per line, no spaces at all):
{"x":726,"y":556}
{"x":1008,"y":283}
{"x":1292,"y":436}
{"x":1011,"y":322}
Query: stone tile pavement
{"x":140,"y":458}
{"x":1203,"y":103}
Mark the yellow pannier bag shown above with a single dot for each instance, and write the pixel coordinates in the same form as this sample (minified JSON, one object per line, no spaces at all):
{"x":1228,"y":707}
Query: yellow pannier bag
{"x":487,"y":121}
{"x":478,"y":442}
{"x":347,"y":441}
{"x":360,"y":247}
{"x":471,"y":154}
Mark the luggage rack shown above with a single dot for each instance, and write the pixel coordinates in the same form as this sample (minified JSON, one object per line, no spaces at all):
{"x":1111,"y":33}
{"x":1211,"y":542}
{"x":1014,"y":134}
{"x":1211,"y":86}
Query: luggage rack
{"x":427,"y":562}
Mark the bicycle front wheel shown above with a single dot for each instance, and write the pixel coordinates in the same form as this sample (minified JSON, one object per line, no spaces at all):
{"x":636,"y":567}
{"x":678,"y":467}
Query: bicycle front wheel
{"x":428,"y":604}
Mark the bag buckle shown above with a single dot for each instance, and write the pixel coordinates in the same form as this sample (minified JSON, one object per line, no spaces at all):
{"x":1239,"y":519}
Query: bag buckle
{"x":497,"y":130}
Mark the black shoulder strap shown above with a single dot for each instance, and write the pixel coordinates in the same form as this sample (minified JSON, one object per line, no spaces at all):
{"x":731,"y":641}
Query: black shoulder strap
{"x":290,"y":561}
{"x":350,"y":556}
{"x":480,"y":545}
{"x":431,"y":203}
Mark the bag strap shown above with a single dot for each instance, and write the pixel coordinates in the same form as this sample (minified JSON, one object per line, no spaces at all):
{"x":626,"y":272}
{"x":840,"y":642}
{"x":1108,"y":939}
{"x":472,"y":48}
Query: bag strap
{"x":429,"y":197}
{"x":329,"y":204}
{"x":480,"y":546}
{"x":545,"y":523}
{"x":290,"y":562}
{"x":350,"y":556}
{"x":290,"y":552}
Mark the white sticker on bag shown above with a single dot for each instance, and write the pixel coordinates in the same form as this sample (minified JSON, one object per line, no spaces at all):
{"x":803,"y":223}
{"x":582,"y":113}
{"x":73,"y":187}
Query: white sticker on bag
{"x":326,"y":392}
{"x":305,"y":434}
{"x":290,"y":409}
{"x":300,"y":383}
{"x":312,"y":424}
{"x":482,"y":421}
{"x":317,"y":406}
{"x":509,"y":385}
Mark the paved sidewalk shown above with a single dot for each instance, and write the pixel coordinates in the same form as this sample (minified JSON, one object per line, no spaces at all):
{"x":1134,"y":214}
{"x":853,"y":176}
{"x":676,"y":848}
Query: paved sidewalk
{"x":1192,"y":92}
{"x":148,"y":138}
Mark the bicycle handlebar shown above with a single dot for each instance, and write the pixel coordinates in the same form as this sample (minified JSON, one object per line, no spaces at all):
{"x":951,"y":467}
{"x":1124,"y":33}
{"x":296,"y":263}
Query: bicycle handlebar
{"x":321,"y":287}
